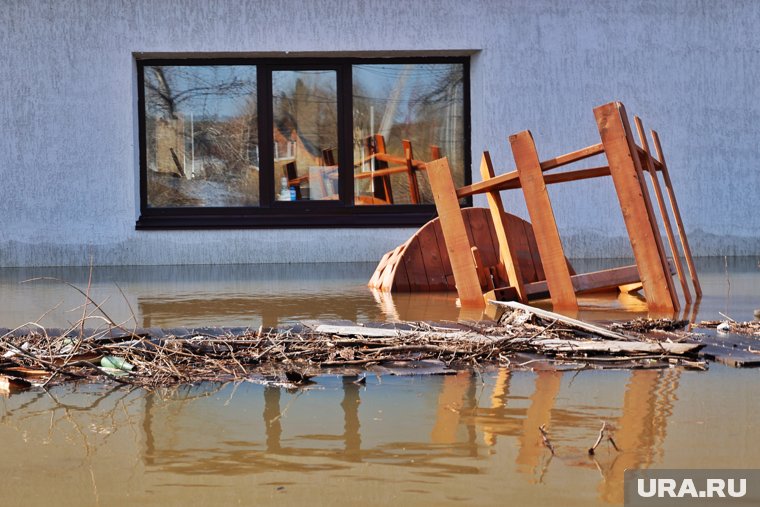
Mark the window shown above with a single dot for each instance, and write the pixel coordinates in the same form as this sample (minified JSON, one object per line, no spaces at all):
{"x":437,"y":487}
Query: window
{"x":297,"y":142}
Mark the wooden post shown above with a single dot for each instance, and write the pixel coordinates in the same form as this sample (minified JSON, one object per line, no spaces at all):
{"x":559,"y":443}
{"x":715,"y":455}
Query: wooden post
{"x":663,"y":210}
{"x":677,"y":215}
{"x":411,"y":172}
{"x":503,"y":232}
{"x":542,"y":217}
{"x":455,"y":234}
{"x":634,"y":203}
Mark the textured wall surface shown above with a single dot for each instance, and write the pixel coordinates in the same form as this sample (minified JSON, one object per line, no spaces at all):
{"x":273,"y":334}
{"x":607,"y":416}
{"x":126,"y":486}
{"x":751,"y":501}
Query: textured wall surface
{"x":69,"y":165}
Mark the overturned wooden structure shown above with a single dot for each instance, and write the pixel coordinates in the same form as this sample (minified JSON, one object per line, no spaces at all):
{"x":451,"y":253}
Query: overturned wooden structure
{"x":502,"y":272}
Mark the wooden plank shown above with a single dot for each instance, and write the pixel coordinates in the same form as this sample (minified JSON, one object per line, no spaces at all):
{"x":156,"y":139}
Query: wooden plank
{"x":442,"y":248}
{"x":628,"y":185}
{"x":504,"y":231}
{"x":479,"y":268}
{"x":663,"y":210}
{"x":521,"y":249}
{"x":394,"y":277}
{"x":414,"y":263}
{"x":411,"y":172}
{"x":435,"y":152}
{"x":431,"y":257}
{"x":482,"y":237}
{"x":455,"y":234}
{"x":597,"y":280}
{"x":493,"y":184}
{"x":660,"y":247}
{"x":542,"y":219}
{"x":616,"y":347}
{"x":550,"y":179}
{"x":400,"y":278}
{"x":533,"y":250}
{"x":574,"y":156}
{"x":677,"y":215}
{"x":579,"y":324}
{"x":374,"y":282}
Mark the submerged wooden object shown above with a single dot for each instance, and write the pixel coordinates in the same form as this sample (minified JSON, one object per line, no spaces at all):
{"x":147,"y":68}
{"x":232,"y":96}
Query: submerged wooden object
{"x":481,"y":270}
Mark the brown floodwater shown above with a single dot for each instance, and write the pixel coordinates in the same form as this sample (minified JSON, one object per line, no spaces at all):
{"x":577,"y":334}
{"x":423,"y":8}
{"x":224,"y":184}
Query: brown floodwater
{"x":465,"y":439}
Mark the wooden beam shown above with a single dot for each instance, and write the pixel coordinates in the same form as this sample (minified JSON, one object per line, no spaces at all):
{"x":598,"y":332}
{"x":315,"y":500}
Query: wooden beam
{"x":455,"y":234}
{"x":542,"y":218}
{"x":663,"y":210}
{"x":504,"y":232}
{"x":677,"y":215}
{"x":574,"y":156}
{"x":597,"y":280}
{"x":510,"y":181}
{"x":579,"y":324}
{"x":495,"y":183}
{"x":632,"y":195}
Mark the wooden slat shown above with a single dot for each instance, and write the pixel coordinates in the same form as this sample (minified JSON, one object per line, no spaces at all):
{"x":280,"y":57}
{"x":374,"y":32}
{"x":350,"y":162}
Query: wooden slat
{"x":435,"y":152}
{"x":542,"y":219}
{"x":455,"y":234}
{"x":374,"y":282}
{"x":479,"y":268}
{"x":522,"y":250}
{"x":677,"y":215}
{"x":511,"y":181}
{"x":504,"y":231}
{"x":431,"y":256}
{"x":596,"y":281}
{"x":533,"y":249}
{"x":400,"y":278}
{"x":492,"y":184}
{"x":574,"y":156}
{"x":391,"y":277}
{"x":482,"y":236}
{"x":442,"y":249}
{"x":627,"y":177}
{"x":414,"y":262}
{"x":663,"y":210}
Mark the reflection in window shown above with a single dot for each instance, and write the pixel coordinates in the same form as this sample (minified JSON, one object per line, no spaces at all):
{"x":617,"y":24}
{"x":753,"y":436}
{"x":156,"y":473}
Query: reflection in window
{"x":305,"y":108}
{"x":403,"y":116}
{"x":201,"y":136}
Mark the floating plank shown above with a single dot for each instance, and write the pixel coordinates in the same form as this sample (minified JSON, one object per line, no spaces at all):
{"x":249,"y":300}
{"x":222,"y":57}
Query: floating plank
{"x":579,"y":324}
{"x":616,"y":347}
{"x":542,"y":219}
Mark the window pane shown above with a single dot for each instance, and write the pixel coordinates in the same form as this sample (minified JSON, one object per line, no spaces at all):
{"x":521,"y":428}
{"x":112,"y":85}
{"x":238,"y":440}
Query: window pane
{"x":413,"y":111}
{"x":201,"y":136}
{"x":305,"y":108}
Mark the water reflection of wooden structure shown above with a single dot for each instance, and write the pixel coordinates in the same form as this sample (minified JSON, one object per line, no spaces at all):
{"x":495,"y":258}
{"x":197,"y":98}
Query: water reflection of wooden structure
{"x":640,"y":429}
{"x":627,"y":163}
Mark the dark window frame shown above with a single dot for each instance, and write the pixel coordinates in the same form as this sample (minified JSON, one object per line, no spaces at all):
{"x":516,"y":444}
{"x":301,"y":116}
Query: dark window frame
{"x":273,"y":214}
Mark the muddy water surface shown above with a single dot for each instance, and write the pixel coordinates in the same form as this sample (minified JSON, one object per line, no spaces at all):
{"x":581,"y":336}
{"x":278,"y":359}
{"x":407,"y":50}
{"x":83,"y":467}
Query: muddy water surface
{"x":466,"y":439}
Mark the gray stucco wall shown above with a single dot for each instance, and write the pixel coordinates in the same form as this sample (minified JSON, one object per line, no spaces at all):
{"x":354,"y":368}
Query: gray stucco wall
{"x":69,"y":170}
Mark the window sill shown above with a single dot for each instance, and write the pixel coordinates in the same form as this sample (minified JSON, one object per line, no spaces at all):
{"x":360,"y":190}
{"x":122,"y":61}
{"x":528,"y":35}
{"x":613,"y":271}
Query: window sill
{"x":273,"y":218}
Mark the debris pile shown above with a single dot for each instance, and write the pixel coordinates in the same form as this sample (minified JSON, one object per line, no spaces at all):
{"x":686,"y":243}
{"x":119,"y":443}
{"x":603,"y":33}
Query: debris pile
{"x":153,"y":357}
